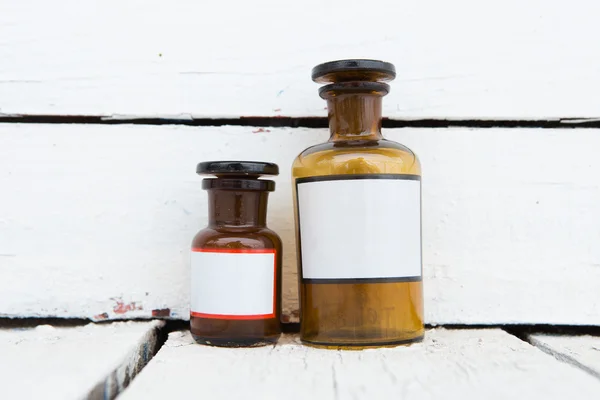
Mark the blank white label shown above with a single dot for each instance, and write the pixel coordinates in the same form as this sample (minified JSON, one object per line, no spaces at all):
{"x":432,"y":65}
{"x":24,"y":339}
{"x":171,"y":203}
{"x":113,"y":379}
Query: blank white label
{"x":360,"y":228}
{"x":232,"y":285}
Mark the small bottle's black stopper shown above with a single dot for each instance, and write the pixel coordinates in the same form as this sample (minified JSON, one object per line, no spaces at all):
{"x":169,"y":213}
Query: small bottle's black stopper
{"x":237,"y":175}
{"x":242,"y":169}
{"x":354,"y":70}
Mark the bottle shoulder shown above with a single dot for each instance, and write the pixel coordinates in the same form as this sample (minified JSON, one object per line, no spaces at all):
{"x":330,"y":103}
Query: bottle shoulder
{"x":254,"y":238}
{"x":356,"y":157}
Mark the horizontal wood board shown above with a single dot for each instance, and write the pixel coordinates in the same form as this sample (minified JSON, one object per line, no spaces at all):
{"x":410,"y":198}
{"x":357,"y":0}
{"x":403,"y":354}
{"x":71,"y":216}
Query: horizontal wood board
{"x":463,"y":59}
{"x":581,"y":351}
{"x":92,"y":362}
{"x":488,"y":364}
{"x":97,"y":221}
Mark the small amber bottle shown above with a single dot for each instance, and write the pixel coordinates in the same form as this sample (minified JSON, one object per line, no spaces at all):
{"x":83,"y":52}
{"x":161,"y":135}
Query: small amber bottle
{"x":357,"y":199}
{"x":236,"y":260}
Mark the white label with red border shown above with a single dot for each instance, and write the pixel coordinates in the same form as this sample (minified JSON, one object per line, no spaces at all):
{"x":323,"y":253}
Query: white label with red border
{"x":233,"y":283}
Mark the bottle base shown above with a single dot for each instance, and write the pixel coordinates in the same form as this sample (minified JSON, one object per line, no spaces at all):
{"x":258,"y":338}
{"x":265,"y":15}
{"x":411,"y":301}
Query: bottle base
{"x":236,"y":342}
{"x":331,"y":345}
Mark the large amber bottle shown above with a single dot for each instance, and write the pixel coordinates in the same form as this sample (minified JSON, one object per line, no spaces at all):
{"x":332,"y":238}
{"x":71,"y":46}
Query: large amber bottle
{"x":357,"y":202}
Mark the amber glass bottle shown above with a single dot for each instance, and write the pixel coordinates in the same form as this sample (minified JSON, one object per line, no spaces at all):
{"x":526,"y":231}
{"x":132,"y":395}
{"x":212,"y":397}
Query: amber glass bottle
{"x":236,"y":260}
{"x":358,"y":219}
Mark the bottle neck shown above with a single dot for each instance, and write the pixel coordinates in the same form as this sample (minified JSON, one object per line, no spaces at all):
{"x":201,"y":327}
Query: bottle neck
{"x":354,"y":116}
{"x":238,"y":209}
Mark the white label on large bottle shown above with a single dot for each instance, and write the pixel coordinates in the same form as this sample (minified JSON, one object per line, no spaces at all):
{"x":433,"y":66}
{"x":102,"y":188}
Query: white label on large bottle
{"x":233,"y":283}
{"x":360,"y":228}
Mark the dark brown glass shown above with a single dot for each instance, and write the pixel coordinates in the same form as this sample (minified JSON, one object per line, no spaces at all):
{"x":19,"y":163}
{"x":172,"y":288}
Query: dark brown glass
{"x":237,"y":220}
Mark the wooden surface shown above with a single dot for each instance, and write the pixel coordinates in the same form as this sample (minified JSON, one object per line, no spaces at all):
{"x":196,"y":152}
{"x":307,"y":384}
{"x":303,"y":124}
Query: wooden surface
{"x":460,"y":59}
{"x":93,"y":361}
{"x":473,"y":364}
{"x":580,"y":351}
{"x":97,"y":221}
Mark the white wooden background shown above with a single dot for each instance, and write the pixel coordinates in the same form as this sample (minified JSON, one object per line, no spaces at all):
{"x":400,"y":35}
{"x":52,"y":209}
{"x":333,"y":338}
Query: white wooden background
{"x":96,"y":220}
{"x":182,"y":58}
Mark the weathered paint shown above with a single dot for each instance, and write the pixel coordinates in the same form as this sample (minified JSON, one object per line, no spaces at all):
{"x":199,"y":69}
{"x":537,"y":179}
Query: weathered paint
{"x":122,"y":308}
{"x":95,"y":361}
{"x":449,"y":364}
{"x":107,"y":215}
{"x":455,"y":59}
{"x":165,"y":312}
{"x":580,"y":351}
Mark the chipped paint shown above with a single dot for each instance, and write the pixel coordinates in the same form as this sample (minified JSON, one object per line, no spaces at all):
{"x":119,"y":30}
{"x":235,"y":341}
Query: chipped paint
{"x":122,"y":308}
{"x":100,"y":317}
{"x":163,"y":312}
{"x":292,"y":316}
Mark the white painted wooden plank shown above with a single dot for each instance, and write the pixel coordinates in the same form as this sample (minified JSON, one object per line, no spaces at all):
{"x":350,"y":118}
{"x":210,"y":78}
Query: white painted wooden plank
{"x":95,"y":361}
{"x":580,"y":351}
{"x":458,"y":59}
{"x":472,"y":364}
{"x":96,"y":221}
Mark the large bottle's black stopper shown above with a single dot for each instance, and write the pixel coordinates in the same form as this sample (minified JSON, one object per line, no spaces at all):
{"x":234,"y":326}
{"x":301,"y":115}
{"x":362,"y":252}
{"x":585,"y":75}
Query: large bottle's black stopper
{"x":354,"y":70}
{"x":354,"y":75}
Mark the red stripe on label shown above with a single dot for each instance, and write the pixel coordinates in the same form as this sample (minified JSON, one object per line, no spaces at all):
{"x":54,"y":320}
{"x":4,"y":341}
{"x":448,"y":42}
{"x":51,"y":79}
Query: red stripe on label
{"x":259,"y":251}
{"x":234,"y":317}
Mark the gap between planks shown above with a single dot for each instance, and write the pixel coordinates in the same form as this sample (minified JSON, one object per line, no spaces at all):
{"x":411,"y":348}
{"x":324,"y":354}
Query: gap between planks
{"x":546,"y":339}
{"x":171,"y":325}
{"x":560,"y":356}
{"x":297,"y":122}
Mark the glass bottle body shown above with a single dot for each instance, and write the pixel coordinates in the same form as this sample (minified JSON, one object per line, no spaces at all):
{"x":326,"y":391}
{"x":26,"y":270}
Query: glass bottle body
{"x":237,"y":228}
{"x":361,"y":312}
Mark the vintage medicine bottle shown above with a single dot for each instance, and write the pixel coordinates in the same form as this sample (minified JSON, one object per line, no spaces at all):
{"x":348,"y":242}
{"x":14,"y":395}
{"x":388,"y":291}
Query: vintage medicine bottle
{"x":236,"y":260}
{"x":358,"y":219}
